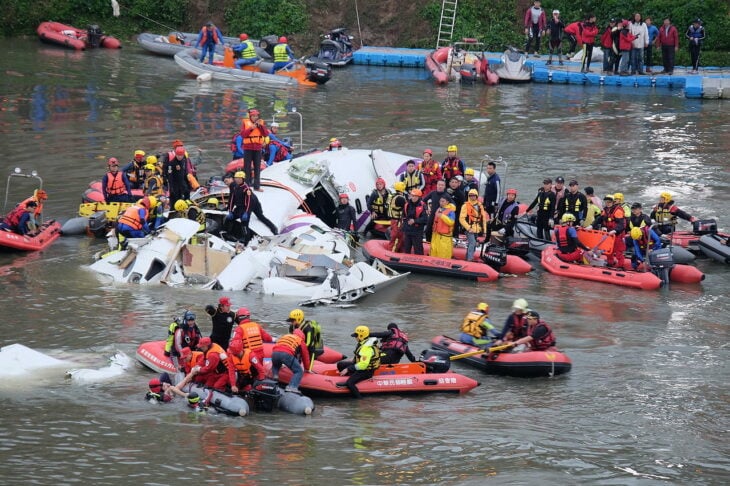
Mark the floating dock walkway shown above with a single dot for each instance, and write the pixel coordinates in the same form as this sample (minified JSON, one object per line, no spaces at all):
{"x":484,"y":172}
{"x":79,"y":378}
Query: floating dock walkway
{"x":712,"y":83}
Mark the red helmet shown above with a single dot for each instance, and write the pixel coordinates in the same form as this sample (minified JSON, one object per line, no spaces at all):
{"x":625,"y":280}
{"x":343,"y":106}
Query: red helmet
{"x":512,"y":191}
{"x":254,"y":111}
{"x":428,"y":151}
{"x":243,"y":313}
{"x":282,"y":40}
{"x":112,"y":161}
{"x":179,"y":150}
{"x":379,"y":180}
{"x":344,"y":196}
{"x":243,"y":37}
{"x":155,"y":385}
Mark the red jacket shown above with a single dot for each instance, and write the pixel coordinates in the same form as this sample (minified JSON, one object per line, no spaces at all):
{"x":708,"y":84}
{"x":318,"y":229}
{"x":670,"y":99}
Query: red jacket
{"x":625,"y":39}
{"x":589,"y":33}
{"x":541,"y":21}
{"x":668,"y":38}
{"x":575,"y":29}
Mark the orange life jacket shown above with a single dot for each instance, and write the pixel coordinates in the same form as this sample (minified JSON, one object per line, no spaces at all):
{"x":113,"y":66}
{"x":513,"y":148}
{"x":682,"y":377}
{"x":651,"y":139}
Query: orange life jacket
{"x":115,"y":183}
{"x":223,"y":363}
{"x":206,"y":33}
{"x":251,"y":335}
{"x":243,"y":364}
{"x":197,"y":359}
{"x":254,"y":137}
{"x":291,"y":341}
{"x":131,"y":217}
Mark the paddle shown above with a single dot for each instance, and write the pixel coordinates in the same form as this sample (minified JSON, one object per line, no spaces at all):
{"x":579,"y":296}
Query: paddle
{"x":493,"y":349}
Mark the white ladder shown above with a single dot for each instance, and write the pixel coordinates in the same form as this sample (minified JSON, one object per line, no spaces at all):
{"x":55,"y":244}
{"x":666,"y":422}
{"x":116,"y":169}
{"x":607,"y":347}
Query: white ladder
{"x":446,"y":25}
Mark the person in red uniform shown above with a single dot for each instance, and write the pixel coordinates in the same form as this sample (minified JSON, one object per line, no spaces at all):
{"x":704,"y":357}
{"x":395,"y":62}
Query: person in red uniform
{"x":588,"y":37}
{"x":431,"y":171}
{"x":252,"y":336}
{"x":253,"y":131}
{"x":452,"y":165}
{"x":214,"y":371}
{"x":613,"y":219}
{"x":539,"y":337}
{"x":290,"y":350}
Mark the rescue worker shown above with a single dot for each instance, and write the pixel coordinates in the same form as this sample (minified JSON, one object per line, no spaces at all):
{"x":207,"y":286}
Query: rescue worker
{"x":312,"y":334}
{"x":377,"y":202}
{"x":442,"y":243}
{"x":393,"y":345}
{"x":208,"y":37}
{"x":222,"y":318}
{"x":334,"y":145}
{"x":365,"y":361}
{"x":156,"y":392}
{"x":252,"y":336}
{"x":506,"y":214}
{"x":476,"y":329}
{"x":492,"y":190}
{"x":133,"y":222}
{"x":515,"y":325}
{"x":665,"y":213}
{"x":156,"y":213}
{"x":38,"y":197}
{"x":189,"y":359}
{"x":290,"y":350}
{"x":135,"y":170}
{"x":637,"y":219}
{"x":545,"y":203}
{"x":20,"y":220}
{"x":153,"y":185}
{"x":239,"y":205}
{"x":115,"y":185}
{"x":566,"y":238}
{"x":395,"y":213}
{"x":452,"y":165}
{"x":253,"y":131}
{"x":237,"y":147}
{"x":431,"y":171}
{"x":345,"y":217}
{"x":241,"y":372}
{"x":283,"y":55}
{"x":189,"y":210}
{"x":214,"y":370}
{"x":612,"y":220}
{"x":618,"y":198}
{"x":412,"y":177}
{"x":433,"y":202}
{"x":474,"y":219}
{"x":592,"y":212}
{"x":245,"y":52}
{"x":574,"y":202}
{"x":415,"y":218}
{"x":277,"y":149}
{"x":469,"y":182}
{"x":640,"y":239}
{"x":175,"y":171}
{"x":182,"y":333}
{"x":539,"y":336}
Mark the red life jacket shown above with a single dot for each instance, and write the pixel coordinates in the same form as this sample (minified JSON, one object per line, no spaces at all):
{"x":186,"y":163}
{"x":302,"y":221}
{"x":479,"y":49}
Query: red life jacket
{"x":611,"y":215}
{"x":420,"y":206}
{"x":206,"y":32}
{"x":544,"y":342}
{"x":115,"y":184}
{"x":13,"y":217}
{"x":233,"y":142}
{"x":565,"y":243}
{"x":451,"y":168}
{"x":398,"y":341}
{"x":518,"y":328}
{"x":282,"y":153}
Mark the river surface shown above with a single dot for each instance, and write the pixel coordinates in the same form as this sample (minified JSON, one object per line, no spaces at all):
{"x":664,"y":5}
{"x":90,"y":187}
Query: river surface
{"x":645,"y":403}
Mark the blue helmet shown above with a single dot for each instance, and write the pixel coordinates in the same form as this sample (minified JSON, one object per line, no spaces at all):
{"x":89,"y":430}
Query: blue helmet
{"x":188,"y":316}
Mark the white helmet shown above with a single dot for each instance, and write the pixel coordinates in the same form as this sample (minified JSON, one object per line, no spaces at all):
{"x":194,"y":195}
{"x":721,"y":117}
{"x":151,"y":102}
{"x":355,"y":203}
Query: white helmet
{"x":520,"y":304}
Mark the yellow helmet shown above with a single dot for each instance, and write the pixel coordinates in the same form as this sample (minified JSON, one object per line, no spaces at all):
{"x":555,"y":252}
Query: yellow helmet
{"x":297,"y":315}
{"x":469,"y":172}
{"x":473,"y":192}
{"x":361,"y":332}
{"x":240,"y":174}
{"x":483,"y":306}
{"x":153,"y":202}
{"x":452,"y":148}
{"x":139,"y":153}
{"x":666,"y":196}
{"x":618,"y":197}
{"x":567,"y":217}
{"x":399,"y":186}
{"x":636,"y":233}
{"x":150,"y":167}
{"x":213,"y":201}
{"x":151,"y":159}
{"x":180,"y":205}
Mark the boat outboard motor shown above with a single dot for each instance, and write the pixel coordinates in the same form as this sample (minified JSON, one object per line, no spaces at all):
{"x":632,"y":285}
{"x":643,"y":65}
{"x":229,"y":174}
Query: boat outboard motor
{"x":268,"y":43}
{"x":494,"y":256}
{"x":265,"y":395}
{"x":704,"y":227}
{"x":319,"y":72}
{"x":468,"y":73}
{"x":435,"y":361}
{"x":661,"y":262}
{"x":93,"y":35}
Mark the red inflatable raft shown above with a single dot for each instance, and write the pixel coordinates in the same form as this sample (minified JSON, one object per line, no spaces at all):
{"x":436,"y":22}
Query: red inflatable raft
{"x":50,"y":231}
{"x":405,"y":378}
{"x":152,"y":355}
{"x":73,"y":38}
{"x":481,"y":272}
{"x":527,"y":364}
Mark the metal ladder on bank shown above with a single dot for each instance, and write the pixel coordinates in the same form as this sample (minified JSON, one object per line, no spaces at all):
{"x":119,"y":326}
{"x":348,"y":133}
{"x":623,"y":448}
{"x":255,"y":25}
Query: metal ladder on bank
{"x":446,"y":25}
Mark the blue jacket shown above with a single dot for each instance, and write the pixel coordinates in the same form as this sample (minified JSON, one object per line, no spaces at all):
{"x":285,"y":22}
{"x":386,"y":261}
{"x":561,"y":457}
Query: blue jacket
{"x":238,"y":153}
{"x":640,"y":253}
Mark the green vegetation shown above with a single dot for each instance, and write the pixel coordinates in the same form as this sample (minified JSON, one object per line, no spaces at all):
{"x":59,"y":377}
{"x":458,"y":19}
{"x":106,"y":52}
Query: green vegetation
{"x":495,"y":22}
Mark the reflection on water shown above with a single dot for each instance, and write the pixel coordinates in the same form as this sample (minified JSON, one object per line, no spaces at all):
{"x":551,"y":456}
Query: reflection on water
{"x":646,"y":397}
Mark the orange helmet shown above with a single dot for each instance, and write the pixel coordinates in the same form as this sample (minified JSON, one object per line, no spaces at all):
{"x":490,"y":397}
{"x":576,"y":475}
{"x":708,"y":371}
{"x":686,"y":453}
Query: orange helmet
{"x":41,"y":195}
{"x":416,"y":192}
